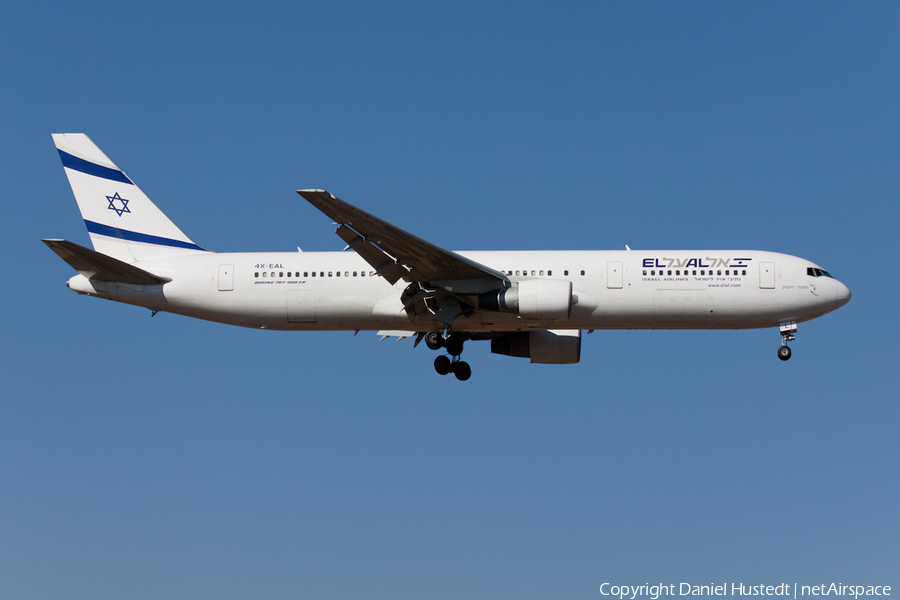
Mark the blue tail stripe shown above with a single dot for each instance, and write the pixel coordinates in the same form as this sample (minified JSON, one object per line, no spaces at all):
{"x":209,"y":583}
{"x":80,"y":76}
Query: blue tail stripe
{"x":133,"y":236}
{"x":79,"y":164}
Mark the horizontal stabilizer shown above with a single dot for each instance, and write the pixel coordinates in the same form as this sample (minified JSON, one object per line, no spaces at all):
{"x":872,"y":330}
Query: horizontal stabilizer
{"x":95,"y":265}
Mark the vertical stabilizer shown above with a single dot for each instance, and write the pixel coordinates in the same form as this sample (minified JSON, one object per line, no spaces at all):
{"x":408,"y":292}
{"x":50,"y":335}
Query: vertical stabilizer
{"x":121,"y":220}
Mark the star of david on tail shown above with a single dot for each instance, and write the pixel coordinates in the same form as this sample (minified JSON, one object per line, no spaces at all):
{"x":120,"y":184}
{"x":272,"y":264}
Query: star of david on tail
{"x":112,"y":204}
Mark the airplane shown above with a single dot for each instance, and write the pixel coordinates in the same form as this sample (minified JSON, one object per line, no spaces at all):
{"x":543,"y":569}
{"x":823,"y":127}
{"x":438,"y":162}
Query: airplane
{"x":528,"y":304}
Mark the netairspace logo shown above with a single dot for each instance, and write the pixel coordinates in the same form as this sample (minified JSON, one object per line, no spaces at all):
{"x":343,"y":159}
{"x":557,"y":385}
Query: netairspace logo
{"x":654,"y":592}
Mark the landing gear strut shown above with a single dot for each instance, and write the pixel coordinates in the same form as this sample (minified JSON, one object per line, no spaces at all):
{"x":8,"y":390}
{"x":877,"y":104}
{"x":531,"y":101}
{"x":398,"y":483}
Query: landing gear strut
{"x":449,"y":364}
{"x":787,"y":335}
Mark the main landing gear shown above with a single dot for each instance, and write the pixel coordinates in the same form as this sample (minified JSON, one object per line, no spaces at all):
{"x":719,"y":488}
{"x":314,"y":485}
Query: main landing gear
{"x":787,"y":335}
{"x":448,"y":364}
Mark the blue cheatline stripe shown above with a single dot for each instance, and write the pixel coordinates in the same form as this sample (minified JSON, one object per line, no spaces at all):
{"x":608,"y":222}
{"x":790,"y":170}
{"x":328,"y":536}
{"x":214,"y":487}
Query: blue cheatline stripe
{"x":79,"y":164}
{"x":133,"y":236}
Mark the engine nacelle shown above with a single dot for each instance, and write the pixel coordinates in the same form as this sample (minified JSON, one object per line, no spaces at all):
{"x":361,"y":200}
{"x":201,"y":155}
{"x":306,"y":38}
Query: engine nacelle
{"x":549,"y":347}
{"x":546,"y":299}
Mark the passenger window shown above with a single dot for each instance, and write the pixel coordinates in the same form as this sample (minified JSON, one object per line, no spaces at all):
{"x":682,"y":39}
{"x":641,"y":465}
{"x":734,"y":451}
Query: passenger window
{"x":695,"y":271}
{"x":532,"y":272}
{"x":371,"y":273}
{"x":744,"y":272}
{"x":719,"y":272}
{"x":517,"y":273}
{"x":314,"y":273}
{"x":330,"y":273}
{"x":549,"y":273}
{"x":653,"y":273}
{"x":354,"y":273}
{"x":338,"y":273}
{"x":566,"y":272}
{"x":273,"y":273}
{"x":281,"y":274}
{"x":362,"y":273}
{"x":256,"y":274}
{"x":346,"y":273}
{"x":582,"y":273}
{"x":289,"y":273}
{"x":645,"y":273}
{"x":726,"y":272}
{"x":541,"y":273}
{"x":677,"y":273}
{"x":306,"y":274}
{"x":670,"y":272}
{"x":321,"y":273}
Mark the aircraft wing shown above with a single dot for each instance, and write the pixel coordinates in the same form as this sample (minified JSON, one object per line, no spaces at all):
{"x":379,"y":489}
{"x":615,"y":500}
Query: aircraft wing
{"x":395,"y":253}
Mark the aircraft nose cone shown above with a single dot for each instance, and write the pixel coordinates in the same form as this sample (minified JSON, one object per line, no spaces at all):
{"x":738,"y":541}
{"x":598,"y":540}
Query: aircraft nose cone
{"x":841,"y":293}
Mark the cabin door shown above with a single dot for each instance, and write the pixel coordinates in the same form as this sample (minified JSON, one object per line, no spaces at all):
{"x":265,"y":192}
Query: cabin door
{"x":301,"y":306}
{"x":614,"y":275}
{"x":226,"y":278}
{"x":767,"y":276}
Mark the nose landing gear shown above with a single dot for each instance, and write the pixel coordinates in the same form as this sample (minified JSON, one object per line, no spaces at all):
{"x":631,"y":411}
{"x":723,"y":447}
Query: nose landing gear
{"x":787,"y":335}
{"x":445,"y":364}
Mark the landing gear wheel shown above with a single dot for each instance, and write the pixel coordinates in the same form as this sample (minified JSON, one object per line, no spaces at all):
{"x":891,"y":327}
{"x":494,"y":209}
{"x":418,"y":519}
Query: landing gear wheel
{"x":462,"y":370}
{"x":433,"y":340}
{"x":443,"y":365}
{"x":784,"y":352}
{"x":454,"y":345}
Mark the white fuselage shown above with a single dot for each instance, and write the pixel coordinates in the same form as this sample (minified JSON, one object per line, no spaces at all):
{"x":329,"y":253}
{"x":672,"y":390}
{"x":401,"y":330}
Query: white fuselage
{"x":615,"y":290}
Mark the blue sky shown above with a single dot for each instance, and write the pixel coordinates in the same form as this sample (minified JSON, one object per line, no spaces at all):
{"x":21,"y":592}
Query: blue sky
{"x":175,"y":458}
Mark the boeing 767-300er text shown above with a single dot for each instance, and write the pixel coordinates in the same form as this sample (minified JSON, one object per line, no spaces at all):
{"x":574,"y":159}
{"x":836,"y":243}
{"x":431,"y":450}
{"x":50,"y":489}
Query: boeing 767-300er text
{"x":528,"y":304}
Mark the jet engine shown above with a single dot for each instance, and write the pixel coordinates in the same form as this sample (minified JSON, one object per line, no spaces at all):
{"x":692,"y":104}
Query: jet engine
{"x":547,"y":299}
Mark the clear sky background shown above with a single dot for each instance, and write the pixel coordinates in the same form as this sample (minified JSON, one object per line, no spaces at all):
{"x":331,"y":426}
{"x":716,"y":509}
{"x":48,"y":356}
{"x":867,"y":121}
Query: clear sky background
{"x":173,"y":458}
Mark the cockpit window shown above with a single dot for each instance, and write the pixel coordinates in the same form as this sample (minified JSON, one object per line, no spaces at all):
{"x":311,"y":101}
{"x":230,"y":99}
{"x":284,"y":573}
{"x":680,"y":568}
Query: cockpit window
{"x":814,"y":272}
